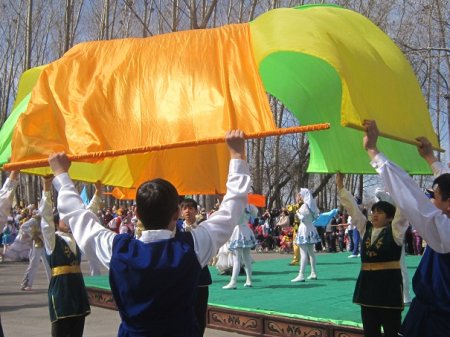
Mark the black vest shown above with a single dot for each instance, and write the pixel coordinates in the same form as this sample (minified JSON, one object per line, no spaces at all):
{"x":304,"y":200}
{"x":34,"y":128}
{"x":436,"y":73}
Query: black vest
{"x":380,"y":287}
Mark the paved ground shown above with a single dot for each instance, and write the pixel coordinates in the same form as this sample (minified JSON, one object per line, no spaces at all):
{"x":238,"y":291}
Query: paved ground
{"x":25,"y":313}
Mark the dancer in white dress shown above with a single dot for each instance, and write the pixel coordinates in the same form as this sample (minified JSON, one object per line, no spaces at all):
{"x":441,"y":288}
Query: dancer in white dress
{"x":224,"y":262}
{"x":241,"y":242}
{"x":20,"y":248}
{"x":307,"y":234}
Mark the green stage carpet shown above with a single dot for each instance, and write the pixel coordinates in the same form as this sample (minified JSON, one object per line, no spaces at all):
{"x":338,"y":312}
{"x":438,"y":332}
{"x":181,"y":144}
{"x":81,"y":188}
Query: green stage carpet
{"x":328,"y":299}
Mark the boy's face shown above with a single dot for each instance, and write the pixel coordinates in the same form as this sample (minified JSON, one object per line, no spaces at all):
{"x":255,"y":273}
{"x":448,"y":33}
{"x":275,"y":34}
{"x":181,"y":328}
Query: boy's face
{"x":188,"y":213}
{"x":379,"y":218}
{"x":443,"y":205}
{"x":62,"y":227}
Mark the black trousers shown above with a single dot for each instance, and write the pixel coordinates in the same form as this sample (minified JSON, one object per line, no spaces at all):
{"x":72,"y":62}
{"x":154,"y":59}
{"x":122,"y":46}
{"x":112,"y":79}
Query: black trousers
{"x":375,"y":318}
{"x":201,"y":306}
{"x":68,"y":327}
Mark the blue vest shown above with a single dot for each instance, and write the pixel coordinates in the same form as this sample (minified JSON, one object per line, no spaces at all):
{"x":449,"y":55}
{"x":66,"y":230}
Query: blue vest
{"x":429,"y":314}
{"x":154,"y":286}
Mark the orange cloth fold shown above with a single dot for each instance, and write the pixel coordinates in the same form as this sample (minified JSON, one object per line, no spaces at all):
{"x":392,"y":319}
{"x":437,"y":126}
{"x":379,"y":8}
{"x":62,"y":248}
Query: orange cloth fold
{"x":125,"y":94}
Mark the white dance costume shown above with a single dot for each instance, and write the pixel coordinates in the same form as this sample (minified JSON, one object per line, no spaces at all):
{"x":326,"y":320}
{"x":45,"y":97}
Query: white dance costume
{"x":307,"y":235}
{"x":240,"y":243}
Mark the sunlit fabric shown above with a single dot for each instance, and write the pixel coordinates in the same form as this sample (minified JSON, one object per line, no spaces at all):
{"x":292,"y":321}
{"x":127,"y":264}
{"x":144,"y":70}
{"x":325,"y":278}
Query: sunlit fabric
{"x":124,"y":94}
{"x":327,"y":63}
{"x":121,"y":193}
{"x":8,"y":127}
{"x":26,"y":83}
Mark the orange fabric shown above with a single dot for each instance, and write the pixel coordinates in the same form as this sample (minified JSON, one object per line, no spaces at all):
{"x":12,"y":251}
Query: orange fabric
{"x":115,"y":153}
{"x":123,"y":193}
{"x":131,"y":93}
{"x":257,"y":200}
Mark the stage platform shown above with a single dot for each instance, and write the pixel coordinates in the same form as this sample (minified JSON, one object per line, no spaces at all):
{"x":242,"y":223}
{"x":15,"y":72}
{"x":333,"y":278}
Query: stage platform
{"x":276,"y":307}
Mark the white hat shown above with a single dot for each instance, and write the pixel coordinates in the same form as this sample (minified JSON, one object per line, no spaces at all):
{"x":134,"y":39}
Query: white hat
{"x":384,"y":196}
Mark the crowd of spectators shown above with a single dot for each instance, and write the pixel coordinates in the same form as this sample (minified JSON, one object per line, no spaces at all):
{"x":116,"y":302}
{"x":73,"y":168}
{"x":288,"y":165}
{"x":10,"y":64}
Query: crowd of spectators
{"x":273,"y":229}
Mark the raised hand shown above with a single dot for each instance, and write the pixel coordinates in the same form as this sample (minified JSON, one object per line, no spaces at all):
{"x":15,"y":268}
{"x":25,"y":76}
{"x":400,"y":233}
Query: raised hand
{"x":370,"y":138}
{"x":340,"y":180}
{"x":14,"y":175}
{"x":47,"y":183}
{"x":59,"y":163}
{"x":425,"y":150}
{"x":98,"y":188}
{"x":236,"y":144}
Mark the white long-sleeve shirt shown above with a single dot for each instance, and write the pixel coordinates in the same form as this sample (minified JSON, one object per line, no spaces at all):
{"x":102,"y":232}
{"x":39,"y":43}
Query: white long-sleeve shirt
{"x":208,"y":236}
{"x":48,"y":226}
{"x":6,"y":197}
{"x":427,"y":219}
{"x":439,"y":168}
{"x":399,"y":223}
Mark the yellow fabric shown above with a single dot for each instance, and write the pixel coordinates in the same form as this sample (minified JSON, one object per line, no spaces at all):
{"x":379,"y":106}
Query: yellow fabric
{"x":27,"y":82}
{"x":129,"y":93}
{"x":61,"y":270}
{"x":380,"y":265}
{"x":355,"y":45}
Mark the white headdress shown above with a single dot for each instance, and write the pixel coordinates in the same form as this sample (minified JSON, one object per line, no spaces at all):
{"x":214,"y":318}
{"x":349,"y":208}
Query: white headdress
{"x":309,"y":200}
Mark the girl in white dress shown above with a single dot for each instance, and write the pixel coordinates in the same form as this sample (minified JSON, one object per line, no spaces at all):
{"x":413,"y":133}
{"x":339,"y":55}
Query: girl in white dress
{"x":241,"y":242}
{"x":307,"y":234}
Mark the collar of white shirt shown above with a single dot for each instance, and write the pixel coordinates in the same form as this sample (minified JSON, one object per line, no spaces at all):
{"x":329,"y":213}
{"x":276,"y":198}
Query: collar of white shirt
{"x":156,"y":235}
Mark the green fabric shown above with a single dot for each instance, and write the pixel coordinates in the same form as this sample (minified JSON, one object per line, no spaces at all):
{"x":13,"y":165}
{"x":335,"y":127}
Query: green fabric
{"x":328,"y":299}
{"x":7,"y":130}
{"x":311,"y":89}
{"x":100,"y":282}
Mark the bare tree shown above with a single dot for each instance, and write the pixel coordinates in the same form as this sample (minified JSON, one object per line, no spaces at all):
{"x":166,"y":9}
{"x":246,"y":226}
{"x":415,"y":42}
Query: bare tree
{"x":35,"y":32}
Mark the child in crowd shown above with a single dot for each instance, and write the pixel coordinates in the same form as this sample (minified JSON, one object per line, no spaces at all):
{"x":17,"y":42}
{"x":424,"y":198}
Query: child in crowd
{"x":8,"y":234}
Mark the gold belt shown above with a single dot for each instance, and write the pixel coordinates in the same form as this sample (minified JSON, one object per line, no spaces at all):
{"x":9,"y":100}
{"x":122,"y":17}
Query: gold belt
{"x":381,"y":265}
{"x":61,"y":270}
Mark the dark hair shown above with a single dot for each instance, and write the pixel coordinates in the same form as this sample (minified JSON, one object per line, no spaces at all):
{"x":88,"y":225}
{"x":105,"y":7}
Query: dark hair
{"x":364,"y":211}
{"x":188,"y":202}
{"x":443,"y":182}
{"x":156,"y":203}
{"x":385,"y":207}
{"x":56,"y":218}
